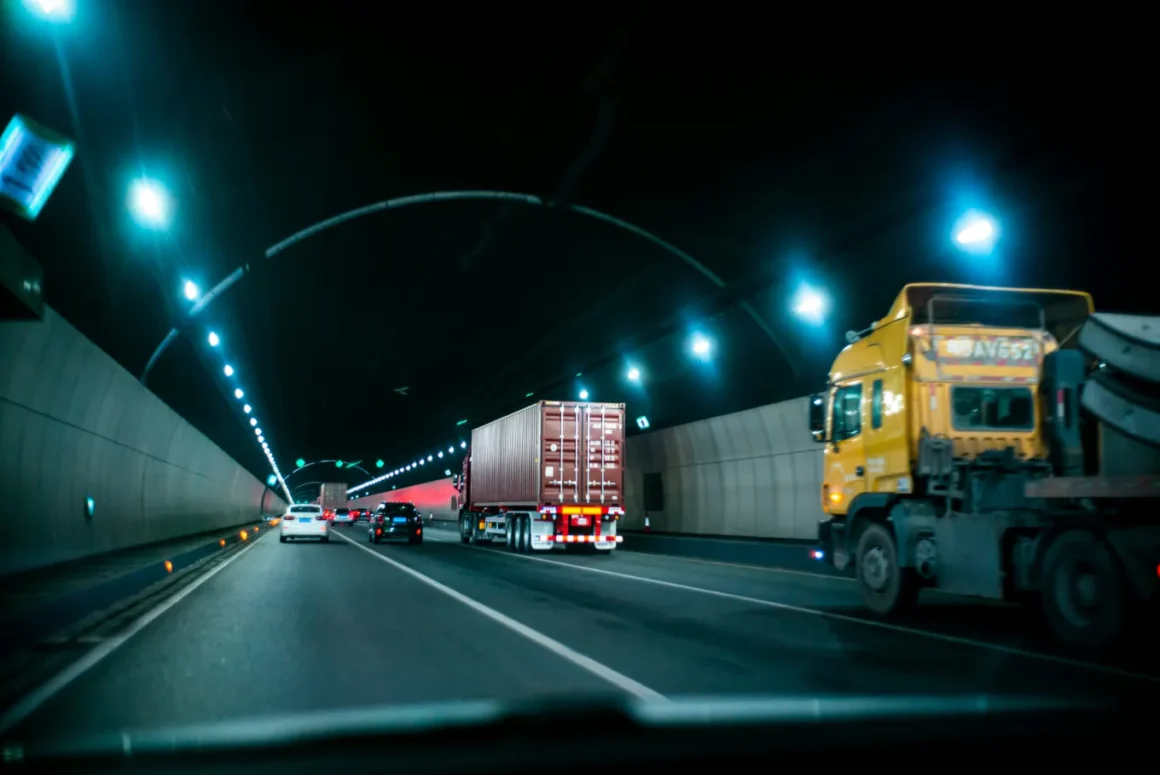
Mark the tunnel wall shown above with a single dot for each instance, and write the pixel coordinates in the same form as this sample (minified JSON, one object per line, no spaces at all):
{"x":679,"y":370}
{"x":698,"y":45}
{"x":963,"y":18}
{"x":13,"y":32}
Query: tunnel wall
{"x":74,"y":424}
{"x":755,"y":473}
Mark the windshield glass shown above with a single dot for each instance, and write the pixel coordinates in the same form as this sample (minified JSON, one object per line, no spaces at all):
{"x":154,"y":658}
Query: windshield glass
{"x":555,"y":294}
{"x":398,"y":509}
{"x":986,"y":409}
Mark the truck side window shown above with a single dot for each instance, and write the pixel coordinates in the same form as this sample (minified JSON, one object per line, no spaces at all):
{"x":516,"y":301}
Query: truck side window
{"x":847,"y":412}
{"x":876,"y":405}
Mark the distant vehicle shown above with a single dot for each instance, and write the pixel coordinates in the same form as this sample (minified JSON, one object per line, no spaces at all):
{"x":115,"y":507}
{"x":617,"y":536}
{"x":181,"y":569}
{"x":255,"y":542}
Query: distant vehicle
{"x":304,"y":521}
{"x":550,"y":476}
{"x":331,"y":497}
{"x":361,"y":515}
{"x":343,"y":517}
{"x":396,"y":521}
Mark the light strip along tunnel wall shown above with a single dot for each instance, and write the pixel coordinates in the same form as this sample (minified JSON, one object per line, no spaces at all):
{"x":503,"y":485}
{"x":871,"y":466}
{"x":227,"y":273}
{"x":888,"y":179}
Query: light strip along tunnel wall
{"x":75,"y":425}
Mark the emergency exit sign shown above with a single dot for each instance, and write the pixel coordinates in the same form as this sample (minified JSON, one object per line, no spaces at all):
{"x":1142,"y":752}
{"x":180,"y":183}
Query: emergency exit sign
{"x":33,"y":158}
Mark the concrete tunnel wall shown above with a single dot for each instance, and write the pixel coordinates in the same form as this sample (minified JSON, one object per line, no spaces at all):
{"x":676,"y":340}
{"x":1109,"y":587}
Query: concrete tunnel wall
{"x":73,"y":425}
{"x":755,"y":474}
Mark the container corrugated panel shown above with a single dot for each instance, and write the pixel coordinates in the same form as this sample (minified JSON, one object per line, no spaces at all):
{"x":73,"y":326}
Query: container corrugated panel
{"x":504,"y":467}
{"x":553,"y":452}
{"x":333,"y":495}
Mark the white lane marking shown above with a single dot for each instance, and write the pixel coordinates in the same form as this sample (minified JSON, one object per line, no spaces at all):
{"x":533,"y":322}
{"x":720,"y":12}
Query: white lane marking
{"x":27,"y":705}
{"x":982,"y":644}
{"x":765,"y":568}
{"x":598,"y":669}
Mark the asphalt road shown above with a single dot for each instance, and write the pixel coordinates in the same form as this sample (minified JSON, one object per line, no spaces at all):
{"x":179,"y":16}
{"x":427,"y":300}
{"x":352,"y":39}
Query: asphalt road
{"x":282,"y":628}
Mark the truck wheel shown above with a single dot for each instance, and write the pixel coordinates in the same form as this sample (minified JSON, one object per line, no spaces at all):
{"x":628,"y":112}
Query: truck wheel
{"x":464,"y":530}
{"x":1083,"y":592}
{"x":523,"y":534}
{"x":886,"y":588}
{"x":510,"y":534}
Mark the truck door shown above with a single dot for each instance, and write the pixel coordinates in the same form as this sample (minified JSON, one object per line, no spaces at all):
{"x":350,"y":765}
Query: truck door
{"x":845,"y":475}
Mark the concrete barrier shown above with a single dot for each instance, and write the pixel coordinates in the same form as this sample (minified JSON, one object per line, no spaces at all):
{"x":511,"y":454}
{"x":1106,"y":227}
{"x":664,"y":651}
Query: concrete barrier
{"x":75,"y":426}
{"x":756,"y":473}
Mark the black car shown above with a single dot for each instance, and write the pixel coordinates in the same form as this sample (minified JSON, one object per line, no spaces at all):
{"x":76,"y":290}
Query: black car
{"x":361,"y":515}
{"x":396,"y":521}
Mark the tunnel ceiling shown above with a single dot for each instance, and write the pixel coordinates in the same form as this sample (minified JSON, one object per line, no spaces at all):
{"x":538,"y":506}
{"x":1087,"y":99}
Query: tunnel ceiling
{"x":375,"y":339}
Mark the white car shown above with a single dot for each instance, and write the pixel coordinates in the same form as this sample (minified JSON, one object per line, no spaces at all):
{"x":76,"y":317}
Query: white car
{"x":305,"y":521}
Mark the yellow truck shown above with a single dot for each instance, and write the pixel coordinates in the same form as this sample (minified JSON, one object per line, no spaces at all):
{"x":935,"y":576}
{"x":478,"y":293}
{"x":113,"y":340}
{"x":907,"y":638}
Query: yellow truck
{"x":1002,"y":443}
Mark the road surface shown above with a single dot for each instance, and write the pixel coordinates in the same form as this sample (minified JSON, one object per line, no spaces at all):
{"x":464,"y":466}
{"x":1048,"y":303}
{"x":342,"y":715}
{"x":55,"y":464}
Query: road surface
{"x":282,"y":628}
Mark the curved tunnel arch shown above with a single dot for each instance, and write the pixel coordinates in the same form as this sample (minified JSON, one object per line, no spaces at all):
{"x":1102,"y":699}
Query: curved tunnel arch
{"x":450,"y":196}
{"x":316,"y":462}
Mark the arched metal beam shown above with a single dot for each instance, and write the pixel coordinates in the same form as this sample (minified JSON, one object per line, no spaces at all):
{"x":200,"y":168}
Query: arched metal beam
{"x":316,"y":462}
{"x":458,"y":196}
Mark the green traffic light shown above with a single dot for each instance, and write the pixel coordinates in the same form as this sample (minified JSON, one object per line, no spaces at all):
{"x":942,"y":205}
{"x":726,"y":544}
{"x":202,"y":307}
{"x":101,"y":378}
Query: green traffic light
{"x":378,"y":464}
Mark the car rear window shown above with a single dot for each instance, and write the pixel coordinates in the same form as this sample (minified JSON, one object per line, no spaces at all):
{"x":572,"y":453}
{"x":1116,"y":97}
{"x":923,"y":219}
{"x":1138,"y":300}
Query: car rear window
{"x":399,"y":509}
{"x":342,"y":511}
{"x":305,"y":510}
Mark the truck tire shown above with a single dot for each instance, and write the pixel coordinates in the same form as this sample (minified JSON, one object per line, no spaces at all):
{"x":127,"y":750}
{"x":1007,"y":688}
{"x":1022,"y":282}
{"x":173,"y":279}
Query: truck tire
{"x":887,"y":589}
{"x":464,"y":529}
{"x":1083,"y":592}
{"x":525,"y":525}
{"x":510,"y":533}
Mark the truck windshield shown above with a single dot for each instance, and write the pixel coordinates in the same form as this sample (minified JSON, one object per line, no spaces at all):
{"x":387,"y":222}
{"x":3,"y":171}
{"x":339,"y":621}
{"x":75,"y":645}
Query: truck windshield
{"x":986,"y":408}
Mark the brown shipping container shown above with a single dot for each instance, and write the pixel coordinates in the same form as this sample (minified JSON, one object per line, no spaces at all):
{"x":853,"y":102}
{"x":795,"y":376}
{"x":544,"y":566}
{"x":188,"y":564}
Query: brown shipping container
{"x":553,"y":452}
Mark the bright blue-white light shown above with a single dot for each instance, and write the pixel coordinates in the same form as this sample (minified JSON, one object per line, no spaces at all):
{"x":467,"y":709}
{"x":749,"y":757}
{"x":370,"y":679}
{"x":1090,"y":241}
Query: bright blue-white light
{"x":214,"y":339}
{"x":701,"y":347}
{"x":583,"y":395}
{"x":228,"y":370}
{"x":633,"y":374}
{"x":976,"y":232}
{"x":810,"y":304}
{"x":190,"y":290}
{"x":60,"y":11}
{"x":149,"y":203}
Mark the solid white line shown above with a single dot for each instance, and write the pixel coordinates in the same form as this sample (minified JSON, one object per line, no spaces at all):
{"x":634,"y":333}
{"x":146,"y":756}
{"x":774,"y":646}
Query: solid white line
{"x":764,"y":568}
{"x":1093,"y":666}
{"x":43,"y":693}
{"x":619,"y":680}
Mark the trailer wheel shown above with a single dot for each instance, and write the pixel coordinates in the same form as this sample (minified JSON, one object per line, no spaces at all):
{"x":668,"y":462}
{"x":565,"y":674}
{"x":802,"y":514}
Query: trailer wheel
{"x":1083,"y":592}
{"x":510,"y":533}
{"x":464,"y":529}
{"x":525,"y":534}
{"x":887,"y":588}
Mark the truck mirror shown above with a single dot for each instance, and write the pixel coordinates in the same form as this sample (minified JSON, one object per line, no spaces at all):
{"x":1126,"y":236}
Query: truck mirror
{"x":818,"y":416}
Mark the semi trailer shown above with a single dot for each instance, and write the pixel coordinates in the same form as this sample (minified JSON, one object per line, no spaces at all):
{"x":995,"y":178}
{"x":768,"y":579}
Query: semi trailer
{"x":1002,"y":443}
{"x":548,"y":477}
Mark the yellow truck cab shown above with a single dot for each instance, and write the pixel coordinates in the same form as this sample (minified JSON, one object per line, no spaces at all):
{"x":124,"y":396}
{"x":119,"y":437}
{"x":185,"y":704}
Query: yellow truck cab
{"x":939,"y":421}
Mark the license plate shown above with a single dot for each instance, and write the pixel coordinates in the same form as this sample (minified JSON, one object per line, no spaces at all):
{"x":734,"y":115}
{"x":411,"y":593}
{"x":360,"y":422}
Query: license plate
{"x":581,"y":520}
{"x":305,"y":519}
{"x":400,"y":520}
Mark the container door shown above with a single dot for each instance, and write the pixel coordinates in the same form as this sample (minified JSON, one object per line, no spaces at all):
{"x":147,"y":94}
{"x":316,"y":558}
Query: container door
{"x":561,"y":455}
{"x":604,"y":451}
